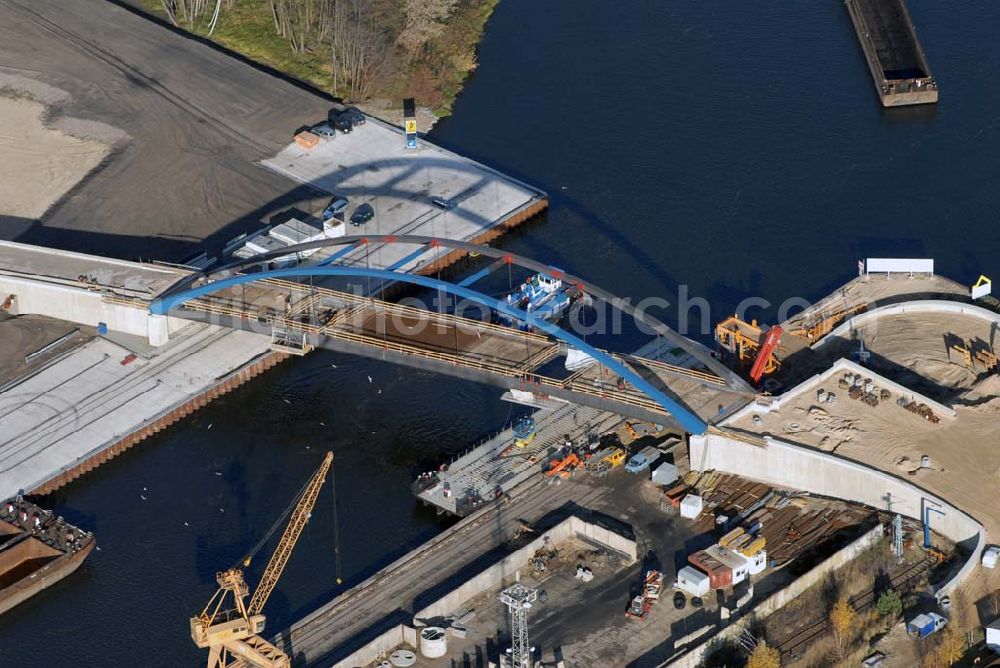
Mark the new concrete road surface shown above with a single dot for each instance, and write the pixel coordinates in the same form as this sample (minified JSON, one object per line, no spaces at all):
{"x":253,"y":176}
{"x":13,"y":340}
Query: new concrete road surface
{"x":197,"y":121}
{"x":80,"y":403}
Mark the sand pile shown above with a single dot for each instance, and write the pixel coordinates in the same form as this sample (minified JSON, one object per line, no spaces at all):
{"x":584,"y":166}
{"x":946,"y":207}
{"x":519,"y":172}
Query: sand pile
{"x":40,"y":164}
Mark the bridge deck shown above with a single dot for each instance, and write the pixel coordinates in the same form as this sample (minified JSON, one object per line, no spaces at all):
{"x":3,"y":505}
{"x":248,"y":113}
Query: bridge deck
{"x":452,"y":344}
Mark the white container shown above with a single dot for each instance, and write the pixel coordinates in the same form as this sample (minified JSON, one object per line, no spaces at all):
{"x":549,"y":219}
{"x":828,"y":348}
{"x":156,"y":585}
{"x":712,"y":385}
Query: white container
{"x":433,"y":642}
{"x":664,"y":474}
{"x":691,"y":506}
{"x":990,"y":556}
{"x":692,"y":581}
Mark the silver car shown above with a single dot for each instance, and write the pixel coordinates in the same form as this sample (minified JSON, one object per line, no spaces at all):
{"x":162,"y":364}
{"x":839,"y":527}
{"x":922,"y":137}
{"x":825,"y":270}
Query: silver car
{"x":324,"y":130}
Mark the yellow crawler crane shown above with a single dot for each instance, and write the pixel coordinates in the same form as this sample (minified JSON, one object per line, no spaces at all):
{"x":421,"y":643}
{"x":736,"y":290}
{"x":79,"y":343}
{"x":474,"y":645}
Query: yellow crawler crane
{"x":231,"y":630}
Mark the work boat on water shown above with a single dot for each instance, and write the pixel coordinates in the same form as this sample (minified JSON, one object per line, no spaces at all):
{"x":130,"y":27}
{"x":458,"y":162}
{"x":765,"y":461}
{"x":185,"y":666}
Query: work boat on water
{"x":543,"y":296}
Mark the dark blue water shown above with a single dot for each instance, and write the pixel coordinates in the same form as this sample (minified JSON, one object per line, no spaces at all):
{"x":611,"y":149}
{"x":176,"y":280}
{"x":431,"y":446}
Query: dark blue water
{"x":738,"y":149}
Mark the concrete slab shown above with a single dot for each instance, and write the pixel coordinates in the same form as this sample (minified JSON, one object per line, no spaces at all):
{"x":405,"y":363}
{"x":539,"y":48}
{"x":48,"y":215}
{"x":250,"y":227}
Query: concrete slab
{"x":84,"y":401}
{"x":372,"y":165}
{"x":50,"y":265}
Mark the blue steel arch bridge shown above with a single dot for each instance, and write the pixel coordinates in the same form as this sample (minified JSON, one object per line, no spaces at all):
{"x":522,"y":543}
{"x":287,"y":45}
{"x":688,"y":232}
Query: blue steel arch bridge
{"x":670,"y":380}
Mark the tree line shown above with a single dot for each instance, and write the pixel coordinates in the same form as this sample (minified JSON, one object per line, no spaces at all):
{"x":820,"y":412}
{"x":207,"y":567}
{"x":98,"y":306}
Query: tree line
{"x":359,"y":38}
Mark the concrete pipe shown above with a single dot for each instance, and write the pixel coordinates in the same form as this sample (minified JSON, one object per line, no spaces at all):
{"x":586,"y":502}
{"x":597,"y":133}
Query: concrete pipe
{"x":433,"y":642}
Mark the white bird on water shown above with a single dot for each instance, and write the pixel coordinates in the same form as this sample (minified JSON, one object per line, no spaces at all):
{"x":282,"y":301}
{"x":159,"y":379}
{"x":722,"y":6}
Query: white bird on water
{"x":288,"y":402}
{"x":142,"y":497}
{"x":370,"y":379}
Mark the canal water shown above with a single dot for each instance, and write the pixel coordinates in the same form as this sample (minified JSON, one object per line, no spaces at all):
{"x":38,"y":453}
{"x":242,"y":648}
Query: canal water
{"x":730,"y":151}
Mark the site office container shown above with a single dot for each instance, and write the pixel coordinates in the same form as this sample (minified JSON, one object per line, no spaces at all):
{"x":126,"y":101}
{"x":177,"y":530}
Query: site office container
{"x":720,"y":576}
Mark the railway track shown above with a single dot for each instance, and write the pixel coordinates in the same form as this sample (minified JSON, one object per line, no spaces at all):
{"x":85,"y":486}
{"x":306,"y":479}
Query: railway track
{"x":794,"y":644}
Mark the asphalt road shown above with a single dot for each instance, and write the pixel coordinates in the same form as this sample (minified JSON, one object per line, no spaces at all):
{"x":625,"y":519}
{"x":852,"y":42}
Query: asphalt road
{"x":197,"y":120}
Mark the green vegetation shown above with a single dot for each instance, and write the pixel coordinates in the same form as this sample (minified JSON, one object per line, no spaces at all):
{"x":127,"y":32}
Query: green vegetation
{"x":889,"y":604}
{"x":355,"y":49}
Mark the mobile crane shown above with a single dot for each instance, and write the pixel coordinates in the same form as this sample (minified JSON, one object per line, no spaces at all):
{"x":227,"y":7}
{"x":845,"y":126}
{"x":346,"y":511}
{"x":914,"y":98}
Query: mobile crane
{"x":231,"y":630}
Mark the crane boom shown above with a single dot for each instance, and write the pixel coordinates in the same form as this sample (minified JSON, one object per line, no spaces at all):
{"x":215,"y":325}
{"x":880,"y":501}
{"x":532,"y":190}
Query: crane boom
{"x":297,"y":522}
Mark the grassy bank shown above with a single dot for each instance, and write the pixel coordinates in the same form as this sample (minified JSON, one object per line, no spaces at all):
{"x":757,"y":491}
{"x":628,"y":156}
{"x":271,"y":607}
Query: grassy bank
{"x":433,"y":75}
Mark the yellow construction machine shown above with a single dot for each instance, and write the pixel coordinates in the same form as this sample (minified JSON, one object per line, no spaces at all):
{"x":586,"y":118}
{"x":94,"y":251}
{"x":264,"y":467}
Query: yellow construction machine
{"x":229,"y":627}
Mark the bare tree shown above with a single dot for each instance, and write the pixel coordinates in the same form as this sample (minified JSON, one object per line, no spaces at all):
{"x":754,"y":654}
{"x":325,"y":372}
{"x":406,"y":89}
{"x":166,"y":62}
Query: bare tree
{"x":358,"y":47}
{"x":425,"y":19}
{"x":304,"y":23}
{"x":187,"y":12}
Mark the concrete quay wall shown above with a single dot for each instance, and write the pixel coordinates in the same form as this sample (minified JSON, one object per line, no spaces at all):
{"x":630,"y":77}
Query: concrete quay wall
{"x":799,"y":467}
{"x":156,"y":423}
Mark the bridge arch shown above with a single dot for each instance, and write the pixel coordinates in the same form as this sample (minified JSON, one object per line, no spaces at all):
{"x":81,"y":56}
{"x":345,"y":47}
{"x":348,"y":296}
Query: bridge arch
{"x":687,"y":418}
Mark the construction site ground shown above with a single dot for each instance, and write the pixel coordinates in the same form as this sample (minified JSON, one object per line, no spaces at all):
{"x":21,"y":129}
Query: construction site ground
{"x":798,"y":629}
{"x":585,"y":622}
{"x":25,"y":335}
{"x":152,"y":143}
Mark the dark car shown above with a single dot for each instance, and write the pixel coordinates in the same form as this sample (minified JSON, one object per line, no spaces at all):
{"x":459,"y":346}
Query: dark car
{"x":343,"y":124}
{"x":362,"y":214}
{"x":354,"y":115}
{"x":442,"y":203}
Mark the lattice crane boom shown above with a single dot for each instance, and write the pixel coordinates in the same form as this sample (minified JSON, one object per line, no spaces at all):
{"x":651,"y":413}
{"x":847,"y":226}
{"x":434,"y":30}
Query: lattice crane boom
{"x":297,"y":522}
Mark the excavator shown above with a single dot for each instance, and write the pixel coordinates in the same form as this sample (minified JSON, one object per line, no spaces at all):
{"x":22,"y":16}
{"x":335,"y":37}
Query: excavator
{"x":229,"y":627}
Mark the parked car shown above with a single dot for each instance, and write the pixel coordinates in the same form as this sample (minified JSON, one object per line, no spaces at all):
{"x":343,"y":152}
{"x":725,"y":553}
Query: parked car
{"x":343,"y":124}
{"x":362,"y":214}
{"x":442,"y":203}
{"x":324,"y":130}
{"x":354,"y":115}
{"x":336,"y":207}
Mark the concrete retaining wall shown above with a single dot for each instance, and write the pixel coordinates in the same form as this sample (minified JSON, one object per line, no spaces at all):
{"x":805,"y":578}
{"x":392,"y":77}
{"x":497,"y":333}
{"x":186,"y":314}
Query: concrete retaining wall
{"x":86,"y":307}
{"x":838,"y":368}
{"x":919,"y":306}
{"x":380,"y":647}
{"x":798,"y":467}
{"x":782,"y":597}
{"x":504,"y":570}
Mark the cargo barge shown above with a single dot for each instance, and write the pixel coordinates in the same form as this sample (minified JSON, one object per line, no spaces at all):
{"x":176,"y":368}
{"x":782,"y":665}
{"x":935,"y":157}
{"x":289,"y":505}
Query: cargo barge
{"x":37,"y":549}
{"x":895,"y":58}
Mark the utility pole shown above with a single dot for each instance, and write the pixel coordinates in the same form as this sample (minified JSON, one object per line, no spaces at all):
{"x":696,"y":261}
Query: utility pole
{"x":518,"y":600}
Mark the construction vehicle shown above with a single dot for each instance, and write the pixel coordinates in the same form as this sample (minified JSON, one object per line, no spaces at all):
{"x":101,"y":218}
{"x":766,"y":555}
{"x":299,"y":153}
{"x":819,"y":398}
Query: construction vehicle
{"x":738,"y":337}
{"x":746,"y":341}
{"x":230,"y":629}
{"x":564,"y":467}
{"x":766,"y":362}
{"x":524,"y":431}
{"x":641,"y":604}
